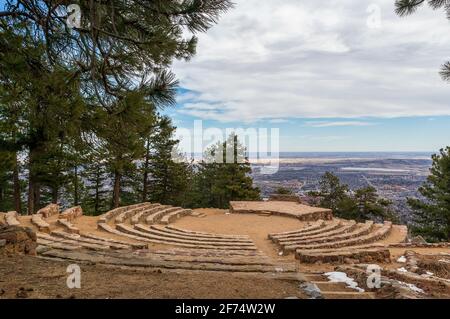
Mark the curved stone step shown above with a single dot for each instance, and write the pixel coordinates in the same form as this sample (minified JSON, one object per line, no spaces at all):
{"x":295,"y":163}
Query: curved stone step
{"x":328,"y":227}
{"x":377,"y":234}
{"x":131,"y":212}
{"x":343,"y":229}
{"x":41,"y":225}
{"x":156,"y":216}
{"x":204,"y":233}
{"x":362,"y":230}
{"x":157,"y":239}
{"x":171,"y":217}
{"x":210,"y":236}
{"x":192,"y":237}
{"x":314,"y":226}
{"x":68,"y":226}
{"x":143,"y":214}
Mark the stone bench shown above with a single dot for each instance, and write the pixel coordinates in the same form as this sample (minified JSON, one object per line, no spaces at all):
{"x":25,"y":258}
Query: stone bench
{"x":106,"y":217}
{"x":155,"y":217}
{"x":143,"y":214}
{"x":71,"y":213}
{"x":131,"y":212}
{"x":314,"y":226}
{"x":328,"y":227}
{"x":81,"y":240}
{"x":109,"y":241}
{"x":376,"y":234}
{"x":41,"y":225}
{"x":171,"y":217}
{"x":161,"y":263}
{"x":191,"y":237}
{"x":75,"y":243}
{"x":12,"y":219}
{"x":343,"y":229}
{"x":49,"y":210}
{"x":177,"y":231}
{"x":361,"y":230}
{"x":175,"y":242}
{"x":342,"y":257}
{"x":68,"y":226}
{"x":56,"y":245}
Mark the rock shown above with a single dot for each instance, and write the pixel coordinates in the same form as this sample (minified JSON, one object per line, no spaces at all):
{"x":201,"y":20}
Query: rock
{"x":49,"y":210}
{"x":311,"y":290}
{"x":418,"y":240}
{"x":17,"y":240}
{"x":22,"y":293}
{"x":2,"y":243}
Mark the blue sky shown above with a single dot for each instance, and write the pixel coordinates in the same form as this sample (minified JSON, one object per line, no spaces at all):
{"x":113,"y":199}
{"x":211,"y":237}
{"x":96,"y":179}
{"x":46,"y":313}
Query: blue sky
{"x":331,"y":75}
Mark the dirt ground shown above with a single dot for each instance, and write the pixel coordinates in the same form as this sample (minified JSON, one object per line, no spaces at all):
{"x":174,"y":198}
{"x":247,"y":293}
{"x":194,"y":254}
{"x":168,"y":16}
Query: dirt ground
{"x":32,"y":277}
{"x":255,"y":226}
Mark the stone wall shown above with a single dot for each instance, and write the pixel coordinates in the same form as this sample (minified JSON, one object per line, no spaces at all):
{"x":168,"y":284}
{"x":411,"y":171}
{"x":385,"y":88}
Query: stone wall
{"x":17,"y":240}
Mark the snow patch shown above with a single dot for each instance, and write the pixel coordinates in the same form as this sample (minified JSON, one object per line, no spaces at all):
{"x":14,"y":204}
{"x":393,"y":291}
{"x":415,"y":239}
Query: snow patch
{"x":427,"y":274}
{"x":402,"y":269}
{"x":411,"y":287}
{"x":336,"y":276}
{"x":444,"y":261}
{"x":401,"y":259}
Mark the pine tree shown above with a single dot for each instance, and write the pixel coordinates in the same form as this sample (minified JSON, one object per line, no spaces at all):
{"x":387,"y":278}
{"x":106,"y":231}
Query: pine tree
{"x":407,"y":7}
{"x":220,"y":180}
{"x":363,"y":204}
{"x":168,"y":177}
{"x":119,"y":45}
{"x":331,"y":191}
{"x":95,"y":177}
{"x":432,"y":214}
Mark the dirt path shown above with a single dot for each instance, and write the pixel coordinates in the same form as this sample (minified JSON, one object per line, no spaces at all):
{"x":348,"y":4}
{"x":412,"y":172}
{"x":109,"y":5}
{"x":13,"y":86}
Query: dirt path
{"x":41,"y":278}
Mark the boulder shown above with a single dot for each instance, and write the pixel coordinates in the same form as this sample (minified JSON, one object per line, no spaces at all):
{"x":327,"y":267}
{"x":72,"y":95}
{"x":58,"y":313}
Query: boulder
{"x":49,"y":210}
{"x":17,"y":240}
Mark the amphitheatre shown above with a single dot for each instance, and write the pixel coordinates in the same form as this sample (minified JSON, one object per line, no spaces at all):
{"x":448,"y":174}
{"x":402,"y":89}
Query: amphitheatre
{"x":267,"y":249}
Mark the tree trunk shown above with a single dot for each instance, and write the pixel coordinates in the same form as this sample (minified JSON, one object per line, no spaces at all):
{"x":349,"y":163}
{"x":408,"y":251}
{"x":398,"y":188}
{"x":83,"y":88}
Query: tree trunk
{"x":97,"y":194}
{"x":75,"y":186}
{"x":16,"y":186}
{"x":146,"y":164}
{"x":30,"y":194}
{"x":37,"y":196}
{"x":55,"y":195}
{"x":116,"y":190}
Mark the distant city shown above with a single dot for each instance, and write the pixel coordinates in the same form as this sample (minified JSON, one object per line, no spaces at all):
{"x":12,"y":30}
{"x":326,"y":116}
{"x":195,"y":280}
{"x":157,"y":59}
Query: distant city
{"x":396,"y":176}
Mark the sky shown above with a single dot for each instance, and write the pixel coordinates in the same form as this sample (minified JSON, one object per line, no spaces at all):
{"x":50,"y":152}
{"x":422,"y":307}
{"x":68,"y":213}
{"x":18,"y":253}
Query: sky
{"x":331,"y":75}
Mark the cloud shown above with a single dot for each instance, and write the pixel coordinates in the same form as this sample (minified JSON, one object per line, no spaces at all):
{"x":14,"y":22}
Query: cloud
{"x":337,"y":123}
{"x":317,"y":59}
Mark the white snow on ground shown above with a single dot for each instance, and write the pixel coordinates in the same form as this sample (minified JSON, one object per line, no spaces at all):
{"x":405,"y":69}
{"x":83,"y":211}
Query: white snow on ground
{"x":401,"y":259}
{"x":411,"y":286}
{"x":336,"y":276}
{"x":427,"y":274}
{"x":402,"y":269}
{"x":444,"y":261}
